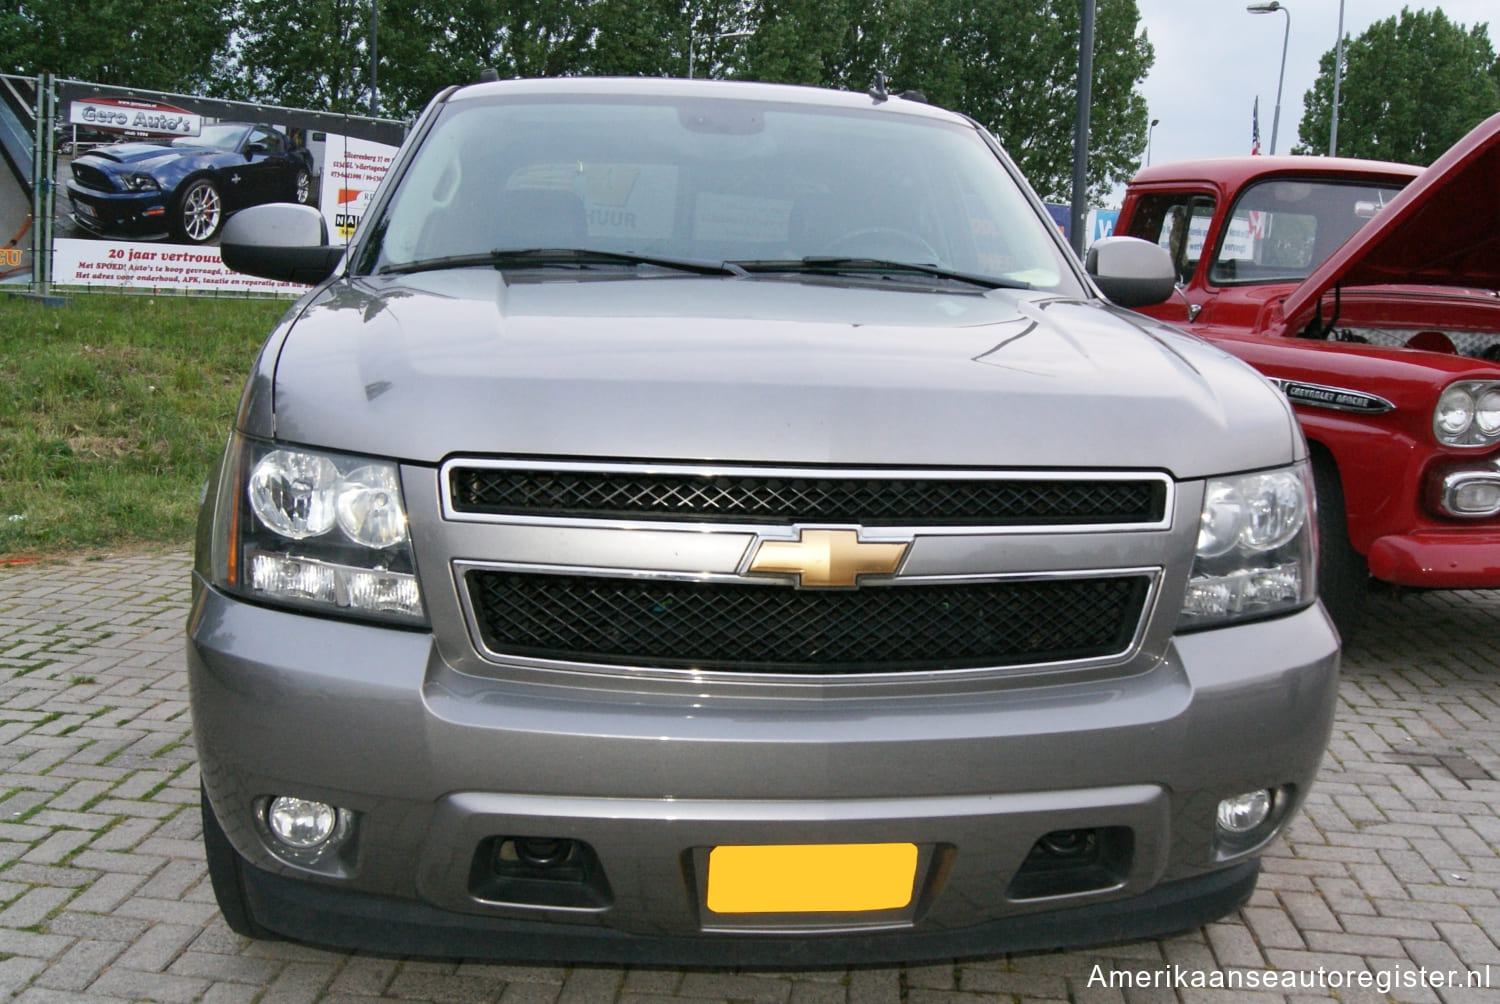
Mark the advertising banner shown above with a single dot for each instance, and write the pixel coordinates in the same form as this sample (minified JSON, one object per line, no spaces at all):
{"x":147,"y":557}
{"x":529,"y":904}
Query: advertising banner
{"x":1100,"y":222}
{"x":134,"y":117}
{"x":145,"y":183}
{"x":351,"y":170}
{"x":151,"y":266}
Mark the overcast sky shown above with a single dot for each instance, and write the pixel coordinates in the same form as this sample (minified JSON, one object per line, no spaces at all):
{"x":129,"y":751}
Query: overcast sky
{"x":1213,"y":59}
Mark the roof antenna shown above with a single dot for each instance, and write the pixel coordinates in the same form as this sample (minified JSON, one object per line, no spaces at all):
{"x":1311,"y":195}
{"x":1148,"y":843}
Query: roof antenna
{"x":877,"y":89}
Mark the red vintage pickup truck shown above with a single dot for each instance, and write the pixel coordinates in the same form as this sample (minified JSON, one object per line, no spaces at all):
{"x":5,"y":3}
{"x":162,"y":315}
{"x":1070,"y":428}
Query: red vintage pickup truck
{"x":1370,"y":292}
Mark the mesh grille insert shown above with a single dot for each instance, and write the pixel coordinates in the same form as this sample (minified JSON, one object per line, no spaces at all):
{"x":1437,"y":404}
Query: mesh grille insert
{"x":92,"y":177}
{"x":759,"y":498}
{"x":776,"y":629}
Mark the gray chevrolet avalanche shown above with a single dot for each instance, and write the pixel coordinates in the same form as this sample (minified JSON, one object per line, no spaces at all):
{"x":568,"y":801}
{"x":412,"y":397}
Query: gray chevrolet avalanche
{"x":701,"y":522}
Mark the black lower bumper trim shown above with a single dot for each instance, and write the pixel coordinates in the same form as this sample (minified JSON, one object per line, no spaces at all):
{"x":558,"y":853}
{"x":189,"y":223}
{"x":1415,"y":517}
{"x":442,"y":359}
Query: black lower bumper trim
{"x":335,"y":918}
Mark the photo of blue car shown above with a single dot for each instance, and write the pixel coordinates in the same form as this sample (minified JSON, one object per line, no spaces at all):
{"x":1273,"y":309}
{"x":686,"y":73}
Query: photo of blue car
{"x":184,"y":188}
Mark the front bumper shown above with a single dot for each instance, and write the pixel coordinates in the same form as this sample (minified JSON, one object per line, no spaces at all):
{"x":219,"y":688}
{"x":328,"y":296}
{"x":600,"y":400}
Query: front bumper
{"x":1460,"y":558}
{"x":355,"y":921}
{"x":438,"y":766}
{"x":124,"y":214}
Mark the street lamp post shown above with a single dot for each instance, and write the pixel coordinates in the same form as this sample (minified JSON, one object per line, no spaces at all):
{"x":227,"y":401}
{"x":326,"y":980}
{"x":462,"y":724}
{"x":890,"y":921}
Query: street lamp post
{"x":1338,"y":72}
{"x":1271,"y":8}
{"x":712,"y":39}
{"x":1078,"y":214}
{"x":374,"y":57}
{"x":1149,"y":130}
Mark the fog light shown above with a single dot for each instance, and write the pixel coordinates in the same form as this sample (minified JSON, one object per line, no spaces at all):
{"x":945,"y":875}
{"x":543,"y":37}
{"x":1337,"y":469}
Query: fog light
{"x":1243,"y":814}
{"x":300,"y":824}
{"x":1471,"y":493}
{"x":1479,"y":498}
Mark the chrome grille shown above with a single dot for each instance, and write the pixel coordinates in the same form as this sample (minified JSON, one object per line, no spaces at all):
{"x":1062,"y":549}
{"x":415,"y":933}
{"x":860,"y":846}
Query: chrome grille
{"x":749,"y":628}
{"x":725,"y":496}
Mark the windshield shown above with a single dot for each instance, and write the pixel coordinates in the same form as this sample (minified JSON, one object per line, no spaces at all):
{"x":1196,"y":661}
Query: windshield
{"x":219,"y":137}
{"x":715,"y":180}
{"x":1279,"y":231}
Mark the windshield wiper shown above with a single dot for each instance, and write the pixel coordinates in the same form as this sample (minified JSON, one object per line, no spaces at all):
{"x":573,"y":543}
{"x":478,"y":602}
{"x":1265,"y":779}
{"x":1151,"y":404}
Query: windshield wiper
{"x":838,"y":265}
{"x":561,"y":258}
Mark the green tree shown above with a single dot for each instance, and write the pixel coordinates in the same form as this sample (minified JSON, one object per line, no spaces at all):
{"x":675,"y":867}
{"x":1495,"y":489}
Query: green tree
{"x":637,"y":38}
{"x":1011,"y":66}
{"x":300,"y":53}
{"x":827,"y":43}
{"x":164,"y":45}
{"x":1412,"y":86}
{"x":1014,"y":67}
{"x":424,"y":48}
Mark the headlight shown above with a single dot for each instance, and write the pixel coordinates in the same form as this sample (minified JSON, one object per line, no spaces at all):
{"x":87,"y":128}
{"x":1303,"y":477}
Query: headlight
{"x":368,"y":502}
{"x":292,"y":492}
{"x":313,"y":529}
{"x":1468,"y":414}
{"x":1255,"y":549}
{"x":139,"y":183}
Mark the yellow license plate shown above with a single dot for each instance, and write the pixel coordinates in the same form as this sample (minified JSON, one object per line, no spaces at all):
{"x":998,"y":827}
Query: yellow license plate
{"x":811,"y":878}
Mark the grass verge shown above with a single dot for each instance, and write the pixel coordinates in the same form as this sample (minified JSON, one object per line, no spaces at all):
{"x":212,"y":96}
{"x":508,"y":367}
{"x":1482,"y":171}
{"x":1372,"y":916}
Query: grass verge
{"x":115,"y":408}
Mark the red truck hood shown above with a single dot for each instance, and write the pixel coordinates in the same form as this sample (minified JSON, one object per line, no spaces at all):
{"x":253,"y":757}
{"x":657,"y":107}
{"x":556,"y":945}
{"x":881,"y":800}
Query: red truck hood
{"x":1441,"y":230}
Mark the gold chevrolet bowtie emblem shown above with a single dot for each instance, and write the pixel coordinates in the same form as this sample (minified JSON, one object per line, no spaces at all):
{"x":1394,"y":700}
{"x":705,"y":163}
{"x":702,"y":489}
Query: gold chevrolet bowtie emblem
{"x":827,"y":558}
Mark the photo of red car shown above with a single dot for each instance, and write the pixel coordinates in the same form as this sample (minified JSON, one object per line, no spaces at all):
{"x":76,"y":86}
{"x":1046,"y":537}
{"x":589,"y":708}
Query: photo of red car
{"x":1368,"y":292}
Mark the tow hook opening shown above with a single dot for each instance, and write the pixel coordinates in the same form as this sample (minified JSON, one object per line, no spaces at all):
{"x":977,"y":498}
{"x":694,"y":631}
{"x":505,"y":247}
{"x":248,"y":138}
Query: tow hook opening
{"x":558,"y":873}
{"x":1070,"y":862}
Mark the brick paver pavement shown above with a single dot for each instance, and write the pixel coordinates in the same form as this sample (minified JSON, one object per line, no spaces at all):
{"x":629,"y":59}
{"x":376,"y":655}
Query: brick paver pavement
{"x":1392,"y":875}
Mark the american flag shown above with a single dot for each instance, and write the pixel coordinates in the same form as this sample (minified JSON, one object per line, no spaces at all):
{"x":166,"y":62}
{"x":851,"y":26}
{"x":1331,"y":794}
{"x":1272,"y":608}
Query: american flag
{"x":1255,"y":128}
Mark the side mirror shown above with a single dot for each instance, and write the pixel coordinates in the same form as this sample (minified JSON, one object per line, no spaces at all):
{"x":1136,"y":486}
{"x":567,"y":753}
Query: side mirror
{"x":280,"y":240}
{"x":1130,"y":271}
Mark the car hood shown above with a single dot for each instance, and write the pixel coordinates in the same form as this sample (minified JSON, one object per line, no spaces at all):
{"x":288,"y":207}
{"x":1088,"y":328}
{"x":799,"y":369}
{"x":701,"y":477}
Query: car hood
{"x":143,"y":154}
{"x":762,"y":370}
{"x":1443,"y":229}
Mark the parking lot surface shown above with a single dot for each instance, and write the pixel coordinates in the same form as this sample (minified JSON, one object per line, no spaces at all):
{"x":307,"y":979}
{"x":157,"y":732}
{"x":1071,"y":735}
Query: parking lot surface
{"x":1387,"y":888}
